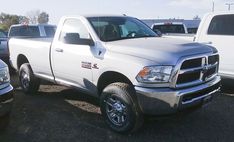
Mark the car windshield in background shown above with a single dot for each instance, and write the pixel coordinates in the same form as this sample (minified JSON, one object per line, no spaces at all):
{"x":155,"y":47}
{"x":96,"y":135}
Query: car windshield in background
{"x":25,"y":31}
{"x":118,"y":28}
{"x":169,"y":28}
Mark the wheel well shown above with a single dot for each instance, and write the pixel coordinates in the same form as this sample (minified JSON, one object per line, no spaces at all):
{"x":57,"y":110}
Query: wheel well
{"x":111,"y":77}
{"x":21,"y":60}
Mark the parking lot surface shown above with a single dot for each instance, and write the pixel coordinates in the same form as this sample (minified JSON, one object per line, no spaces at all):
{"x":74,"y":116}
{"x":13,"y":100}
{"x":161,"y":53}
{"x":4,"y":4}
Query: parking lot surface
{"x":60,"y":114}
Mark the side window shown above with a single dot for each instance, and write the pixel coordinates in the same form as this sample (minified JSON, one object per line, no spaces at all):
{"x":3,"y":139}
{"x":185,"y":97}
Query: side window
{"x":73,"y":31}
{"x":222,"y":25}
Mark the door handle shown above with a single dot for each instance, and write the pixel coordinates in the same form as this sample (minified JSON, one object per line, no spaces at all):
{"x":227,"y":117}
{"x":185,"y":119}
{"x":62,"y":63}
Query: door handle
{"x":59,"y":50}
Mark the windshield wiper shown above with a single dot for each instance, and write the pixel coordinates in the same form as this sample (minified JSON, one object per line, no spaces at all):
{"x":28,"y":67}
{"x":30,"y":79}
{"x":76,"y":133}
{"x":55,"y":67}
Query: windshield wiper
{"x":123,"y":38}
{"x":146,"y":36}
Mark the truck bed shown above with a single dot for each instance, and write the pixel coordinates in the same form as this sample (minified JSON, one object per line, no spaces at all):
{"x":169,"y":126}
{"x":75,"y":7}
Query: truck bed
{"x":34,"y":49}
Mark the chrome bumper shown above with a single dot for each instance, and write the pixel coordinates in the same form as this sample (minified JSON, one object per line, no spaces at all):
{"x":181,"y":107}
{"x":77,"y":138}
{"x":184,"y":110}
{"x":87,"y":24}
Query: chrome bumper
{"x":6,"y":100}
{"x":161,"y":101}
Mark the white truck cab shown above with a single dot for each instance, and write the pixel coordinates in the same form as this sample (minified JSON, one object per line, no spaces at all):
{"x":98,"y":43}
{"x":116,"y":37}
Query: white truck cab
{"x":217,"y":29}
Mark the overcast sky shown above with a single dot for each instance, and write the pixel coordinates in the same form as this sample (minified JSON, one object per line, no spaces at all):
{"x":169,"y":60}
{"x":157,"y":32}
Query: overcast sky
{"x":145,"y":9}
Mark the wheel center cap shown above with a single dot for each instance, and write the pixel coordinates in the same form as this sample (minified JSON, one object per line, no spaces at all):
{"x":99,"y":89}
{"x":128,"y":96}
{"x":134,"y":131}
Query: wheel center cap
{"x":118,"y":107}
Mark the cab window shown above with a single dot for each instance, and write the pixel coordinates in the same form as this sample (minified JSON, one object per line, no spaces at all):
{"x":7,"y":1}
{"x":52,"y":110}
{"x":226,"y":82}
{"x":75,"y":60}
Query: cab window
{"x":222,"y":25}
{"x":24,"y":31}
{"x":72,"y":31}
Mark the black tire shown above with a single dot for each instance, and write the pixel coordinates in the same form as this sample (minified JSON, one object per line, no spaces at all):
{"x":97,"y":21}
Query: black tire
{"x":28,"y":82}
{"x":118,"y":102}
{"x":4,"y":121}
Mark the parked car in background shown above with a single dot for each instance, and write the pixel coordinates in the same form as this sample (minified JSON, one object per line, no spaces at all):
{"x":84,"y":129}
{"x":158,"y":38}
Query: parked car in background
{"x":176,"y":30}
{"x":192,"y":30}
{"x":217,"y":29}
{"x":4,"y":52}
{"x":170,"y":28}
{"x":6,"y":95}
{"x":121,"y":61}
{"x":32,"y":30}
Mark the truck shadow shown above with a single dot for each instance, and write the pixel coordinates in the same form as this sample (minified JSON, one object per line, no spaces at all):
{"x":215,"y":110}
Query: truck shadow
{"x":227,"y":85}
{"x":53,"y":115}
{"x":57,"y":113}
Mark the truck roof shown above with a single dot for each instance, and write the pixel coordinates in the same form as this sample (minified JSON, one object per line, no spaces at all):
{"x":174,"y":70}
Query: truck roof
{"x":93,"y":15}
{"x":220,"y":13}
{"x":18,"y":25}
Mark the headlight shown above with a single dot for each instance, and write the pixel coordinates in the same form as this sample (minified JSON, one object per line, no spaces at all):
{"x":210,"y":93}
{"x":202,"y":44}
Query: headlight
{"x":155,"y":74}
{"x":4,"y":76}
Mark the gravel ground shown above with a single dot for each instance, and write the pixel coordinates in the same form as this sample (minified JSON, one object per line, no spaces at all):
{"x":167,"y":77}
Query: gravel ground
{"x":60,"y":114}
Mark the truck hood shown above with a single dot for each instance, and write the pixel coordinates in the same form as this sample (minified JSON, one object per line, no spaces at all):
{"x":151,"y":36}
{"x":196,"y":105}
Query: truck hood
{"x":164,"y":51}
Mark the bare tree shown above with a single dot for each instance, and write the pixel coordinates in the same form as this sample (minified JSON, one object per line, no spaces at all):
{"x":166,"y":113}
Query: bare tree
{"x":37,"y":17}
{"x":33,"y":16}
{"x":23,"y":20}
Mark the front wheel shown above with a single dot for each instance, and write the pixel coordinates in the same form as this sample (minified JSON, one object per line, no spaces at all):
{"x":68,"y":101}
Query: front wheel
{"x":28,"y":82}
{"x":119,"y":108}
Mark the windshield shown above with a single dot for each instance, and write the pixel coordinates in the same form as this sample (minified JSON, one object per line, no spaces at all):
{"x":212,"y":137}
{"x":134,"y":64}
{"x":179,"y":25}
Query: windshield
{"x":169,"y":28}
{"x":118,"y":28}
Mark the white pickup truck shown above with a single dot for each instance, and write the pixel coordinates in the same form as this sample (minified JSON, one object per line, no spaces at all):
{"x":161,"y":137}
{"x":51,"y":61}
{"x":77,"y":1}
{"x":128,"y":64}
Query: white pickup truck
{"x":217,"y":29}
{"x":124,"y":63}
{"x":170,"y":28}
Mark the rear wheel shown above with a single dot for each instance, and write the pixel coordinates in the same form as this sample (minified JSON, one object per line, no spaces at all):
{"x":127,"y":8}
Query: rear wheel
{"x":28,"y":81}
{"x":120,"y":109}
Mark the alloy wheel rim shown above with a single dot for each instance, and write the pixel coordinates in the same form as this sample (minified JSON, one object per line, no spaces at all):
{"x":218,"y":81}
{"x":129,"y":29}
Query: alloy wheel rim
{"x":25,"y":79}
{"x":116,"y":111}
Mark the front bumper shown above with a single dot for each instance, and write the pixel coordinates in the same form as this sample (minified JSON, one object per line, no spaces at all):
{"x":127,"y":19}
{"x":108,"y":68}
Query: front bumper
{"x":6,"y":100}
{"x":162,"y":101}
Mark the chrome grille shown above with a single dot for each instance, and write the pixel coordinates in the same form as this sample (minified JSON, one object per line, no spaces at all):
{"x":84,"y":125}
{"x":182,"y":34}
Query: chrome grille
{"x":196,"y":70}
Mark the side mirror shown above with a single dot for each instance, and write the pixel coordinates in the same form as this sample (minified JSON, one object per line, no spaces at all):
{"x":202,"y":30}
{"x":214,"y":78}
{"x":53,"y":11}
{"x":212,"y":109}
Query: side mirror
{"x":74,"y":38}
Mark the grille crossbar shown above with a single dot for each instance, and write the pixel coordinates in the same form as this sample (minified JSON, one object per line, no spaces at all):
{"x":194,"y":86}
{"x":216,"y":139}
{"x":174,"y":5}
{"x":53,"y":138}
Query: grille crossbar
{"x":197,"y":70}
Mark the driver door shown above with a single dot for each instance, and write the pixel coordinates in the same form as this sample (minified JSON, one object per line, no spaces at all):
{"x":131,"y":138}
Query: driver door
{"x":72,"y":59}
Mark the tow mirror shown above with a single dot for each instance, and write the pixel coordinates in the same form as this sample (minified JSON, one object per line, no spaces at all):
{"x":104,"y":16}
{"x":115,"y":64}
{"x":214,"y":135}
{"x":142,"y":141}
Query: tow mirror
{"x":74,"y":38}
